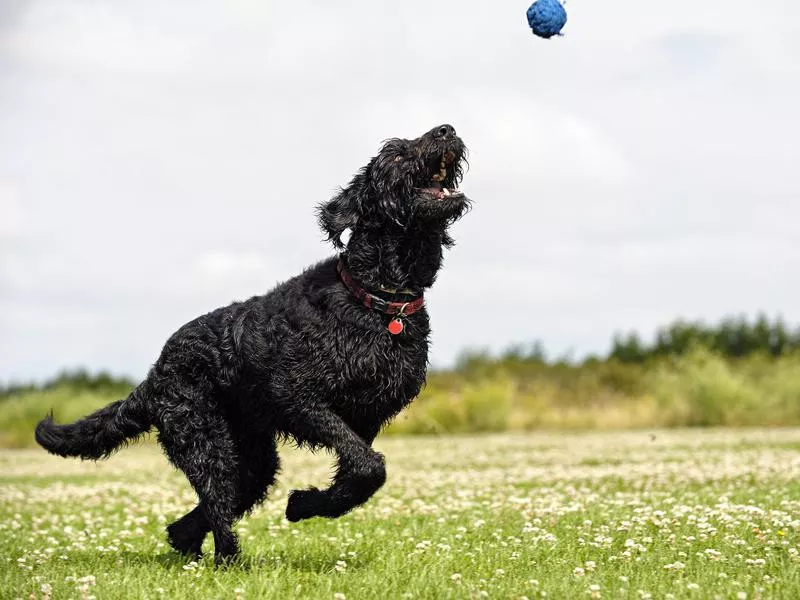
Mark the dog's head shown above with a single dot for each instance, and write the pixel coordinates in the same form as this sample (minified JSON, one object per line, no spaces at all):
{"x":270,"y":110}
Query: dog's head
{"x":409,"y":185}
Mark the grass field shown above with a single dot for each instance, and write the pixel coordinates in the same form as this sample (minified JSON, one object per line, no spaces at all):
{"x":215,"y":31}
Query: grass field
{"x":673,"y":514}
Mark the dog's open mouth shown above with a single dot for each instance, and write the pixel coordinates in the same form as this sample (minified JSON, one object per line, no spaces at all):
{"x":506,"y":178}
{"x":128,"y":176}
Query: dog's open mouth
{"x":440,"y":177}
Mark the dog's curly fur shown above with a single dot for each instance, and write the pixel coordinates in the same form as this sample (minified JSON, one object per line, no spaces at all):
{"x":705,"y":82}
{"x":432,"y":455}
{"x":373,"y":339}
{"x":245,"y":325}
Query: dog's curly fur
{"x":306,"y":362}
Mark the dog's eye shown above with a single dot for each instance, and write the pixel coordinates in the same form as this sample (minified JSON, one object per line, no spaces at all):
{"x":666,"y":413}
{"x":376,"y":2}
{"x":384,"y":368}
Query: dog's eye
{"x":398,"y":158}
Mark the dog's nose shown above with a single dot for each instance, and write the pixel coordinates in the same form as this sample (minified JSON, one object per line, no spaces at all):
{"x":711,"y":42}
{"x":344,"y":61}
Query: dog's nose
{"x":445,"y":131}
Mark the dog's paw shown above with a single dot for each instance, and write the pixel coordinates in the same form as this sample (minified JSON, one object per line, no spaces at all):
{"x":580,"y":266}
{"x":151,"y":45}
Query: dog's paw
{"x":184,"y":543}
{"x":304,"y":504}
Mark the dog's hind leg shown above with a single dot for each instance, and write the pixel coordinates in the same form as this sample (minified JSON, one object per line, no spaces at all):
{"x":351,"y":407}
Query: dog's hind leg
{"x":361,"y":471}
{"x":203,"y":449}
{"x":258,"y":465}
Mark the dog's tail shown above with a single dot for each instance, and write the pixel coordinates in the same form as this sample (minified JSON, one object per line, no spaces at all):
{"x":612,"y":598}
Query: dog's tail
{"x":99,"y":434}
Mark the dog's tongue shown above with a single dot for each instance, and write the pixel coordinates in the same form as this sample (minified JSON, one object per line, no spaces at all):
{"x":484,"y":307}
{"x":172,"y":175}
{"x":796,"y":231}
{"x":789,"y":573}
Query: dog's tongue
{"x":435,"y":190}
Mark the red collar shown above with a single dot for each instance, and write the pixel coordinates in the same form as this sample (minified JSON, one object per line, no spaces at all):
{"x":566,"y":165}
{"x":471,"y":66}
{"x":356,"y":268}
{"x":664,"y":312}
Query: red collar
{"x":401,"y":309}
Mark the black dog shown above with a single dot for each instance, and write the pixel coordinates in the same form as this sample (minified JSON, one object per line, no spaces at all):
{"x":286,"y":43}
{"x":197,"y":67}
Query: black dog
{"x":325,"y":359}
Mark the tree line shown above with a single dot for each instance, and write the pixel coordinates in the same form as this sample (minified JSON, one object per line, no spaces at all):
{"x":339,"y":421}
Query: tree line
{"x":733,"y":337}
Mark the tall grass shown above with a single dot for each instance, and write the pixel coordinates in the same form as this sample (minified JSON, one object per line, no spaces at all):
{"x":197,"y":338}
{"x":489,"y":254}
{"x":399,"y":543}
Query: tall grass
{"x":20,"y":412}
{"x":700,"y":388}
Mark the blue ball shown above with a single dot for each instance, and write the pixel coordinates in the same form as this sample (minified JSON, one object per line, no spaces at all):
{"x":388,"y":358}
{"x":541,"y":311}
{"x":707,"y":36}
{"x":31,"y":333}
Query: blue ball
{"x":547,"y":18}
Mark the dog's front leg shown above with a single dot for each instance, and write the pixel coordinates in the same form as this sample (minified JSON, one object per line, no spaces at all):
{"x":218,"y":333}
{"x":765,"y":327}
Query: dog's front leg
{"x":361,"y":471}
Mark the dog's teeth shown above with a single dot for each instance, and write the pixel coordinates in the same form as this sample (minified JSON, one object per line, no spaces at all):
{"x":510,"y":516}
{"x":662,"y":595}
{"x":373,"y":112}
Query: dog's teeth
{"x":446,"y":192}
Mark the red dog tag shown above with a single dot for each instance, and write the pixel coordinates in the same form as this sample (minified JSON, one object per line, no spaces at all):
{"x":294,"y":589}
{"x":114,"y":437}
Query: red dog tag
{"x":395,"y":326}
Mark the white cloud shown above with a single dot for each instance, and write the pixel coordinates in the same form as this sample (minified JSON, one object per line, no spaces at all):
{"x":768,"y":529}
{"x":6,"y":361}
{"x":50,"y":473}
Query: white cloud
{"x":11,"y":213}
{"x":223,"y":264}
{"x":86,"y":36}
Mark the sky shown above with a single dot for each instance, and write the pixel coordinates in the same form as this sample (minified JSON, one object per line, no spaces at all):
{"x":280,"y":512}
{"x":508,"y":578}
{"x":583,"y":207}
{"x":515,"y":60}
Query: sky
{"x":161,"y":159}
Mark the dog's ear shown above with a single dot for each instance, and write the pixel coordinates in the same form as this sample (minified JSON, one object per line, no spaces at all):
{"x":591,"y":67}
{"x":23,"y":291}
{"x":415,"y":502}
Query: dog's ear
{"x":341,"y":213}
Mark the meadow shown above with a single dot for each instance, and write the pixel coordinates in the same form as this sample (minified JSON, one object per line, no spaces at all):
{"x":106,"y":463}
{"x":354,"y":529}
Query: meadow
{"x":680,"y":513}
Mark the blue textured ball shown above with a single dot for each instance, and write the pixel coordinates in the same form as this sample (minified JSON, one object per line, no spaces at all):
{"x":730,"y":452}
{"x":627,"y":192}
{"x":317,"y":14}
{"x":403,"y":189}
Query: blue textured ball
{"x":547,"y":18}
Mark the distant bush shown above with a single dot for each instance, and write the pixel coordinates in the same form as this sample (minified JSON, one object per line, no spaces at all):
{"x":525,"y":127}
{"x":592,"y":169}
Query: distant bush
{"x":730,"y":375}
{"x":20,"y":412}
{"x":78,"y":379}
{"x":70,"y":395}
{"x":699,"y":388}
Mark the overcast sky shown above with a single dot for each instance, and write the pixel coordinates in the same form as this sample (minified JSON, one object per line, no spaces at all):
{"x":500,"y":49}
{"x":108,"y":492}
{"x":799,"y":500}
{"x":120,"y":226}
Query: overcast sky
{"x":160,"y":159}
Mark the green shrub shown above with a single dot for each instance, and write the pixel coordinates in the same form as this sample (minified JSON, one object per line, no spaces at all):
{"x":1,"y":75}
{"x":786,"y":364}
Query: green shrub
{"x":20,"y":412}
{"x":521,"y":392}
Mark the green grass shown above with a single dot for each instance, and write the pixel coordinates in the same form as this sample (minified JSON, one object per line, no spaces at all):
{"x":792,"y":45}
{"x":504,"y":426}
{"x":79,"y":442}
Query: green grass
{"x":684,"y":514}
